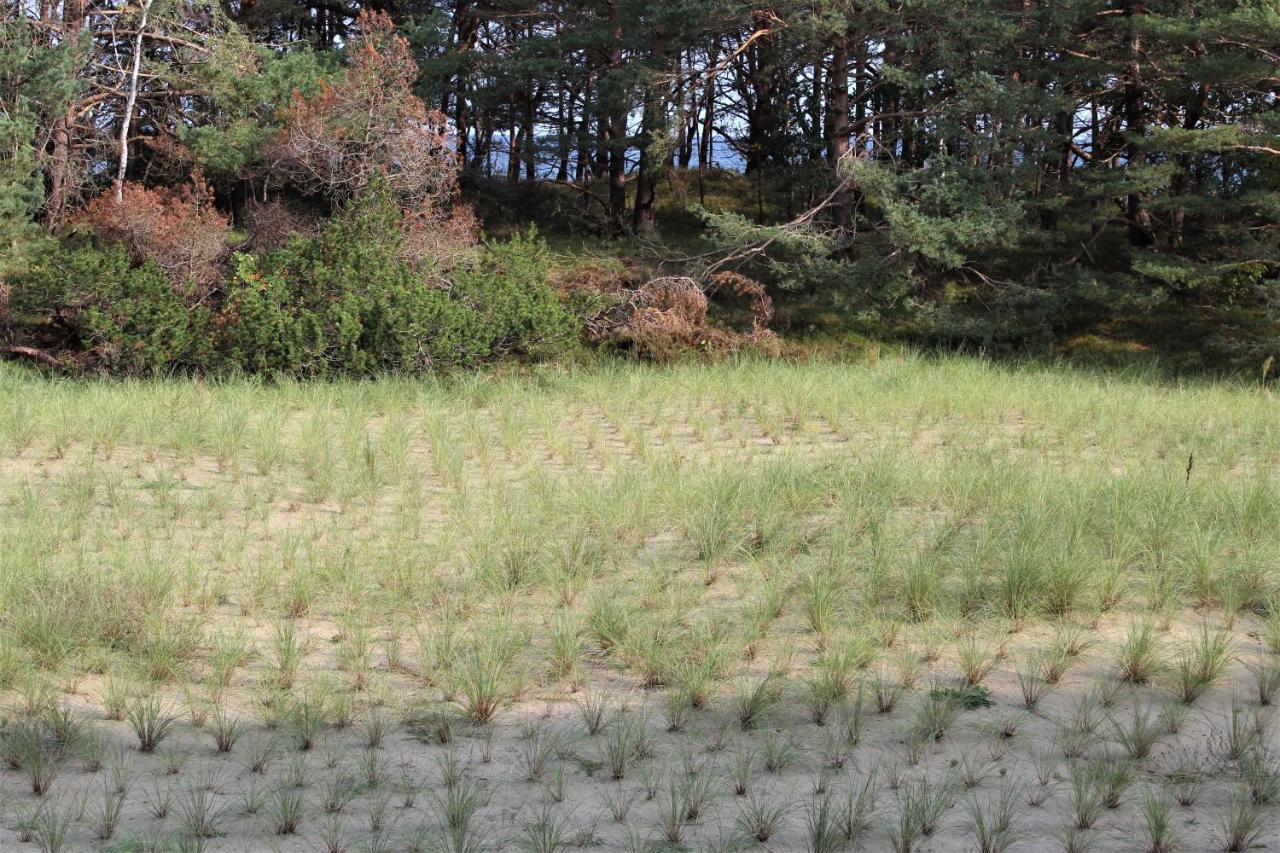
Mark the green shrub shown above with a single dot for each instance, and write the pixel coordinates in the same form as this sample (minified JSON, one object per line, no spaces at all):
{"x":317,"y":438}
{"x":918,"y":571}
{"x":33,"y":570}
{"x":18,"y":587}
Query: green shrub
{"x":509,"y":291}
{"x":124,"y":319}
{"x":344,"y":302}
{"x":339,"y":302}
{"x":970,"y":697}
{"x":304,"y":311}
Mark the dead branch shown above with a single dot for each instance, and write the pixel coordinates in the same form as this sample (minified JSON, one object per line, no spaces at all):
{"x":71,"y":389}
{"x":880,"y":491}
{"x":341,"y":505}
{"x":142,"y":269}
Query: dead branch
{"x":31,"y":353}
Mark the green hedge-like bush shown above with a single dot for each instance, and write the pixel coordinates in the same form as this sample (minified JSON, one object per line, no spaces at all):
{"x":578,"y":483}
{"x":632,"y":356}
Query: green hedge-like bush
{"x":122,"y":318}
{"x":344,"y":303}
{"x":341,"y":302}
{"x":508,"y":291}
{"x":338,"y":303}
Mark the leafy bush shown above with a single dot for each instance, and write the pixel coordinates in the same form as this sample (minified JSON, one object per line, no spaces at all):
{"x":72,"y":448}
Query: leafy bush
{"x":120,"y":317}
{"x":368,"y":125}
{"x":345,"y":302}
{"x":969,"y":697}
{"x":508,"y":290}
{"x":340,"y":302}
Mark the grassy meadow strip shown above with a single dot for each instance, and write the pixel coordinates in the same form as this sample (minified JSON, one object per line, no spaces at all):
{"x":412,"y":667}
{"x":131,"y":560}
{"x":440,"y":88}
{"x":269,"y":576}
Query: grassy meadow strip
{"x":789,"y":596}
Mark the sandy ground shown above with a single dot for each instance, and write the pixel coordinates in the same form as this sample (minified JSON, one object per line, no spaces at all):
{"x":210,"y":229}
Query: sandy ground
{"x":978,"y":754}
{"x":395,"y":794}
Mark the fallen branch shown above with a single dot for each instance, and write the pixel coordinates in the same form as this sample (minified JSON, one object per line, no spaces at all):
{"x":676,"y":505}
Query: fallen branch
{"x":32,"y":353}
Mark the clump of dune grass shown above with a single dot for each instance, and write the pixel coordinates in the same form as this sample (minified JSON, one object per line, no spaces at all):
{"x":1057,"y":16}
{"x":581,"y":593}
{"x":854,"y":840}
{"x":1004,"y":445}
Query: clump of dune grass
{"x":1030,"y":672}
{"x":921,"y":804}
{"x":1201,"y":663}
{"x":1241,"y":824}
{"x":977,"y":658}
{"x":1157,"y":822}
{"x":1266,"y":679}
{"x":994,"y":820}
{"x":199,"y":812}
{"x":1136,"y":732}
{"x":151,"y":720}
{"x":1139,"y":658}
{"x":28,"y":746}
{"x":885,"y":691}
{"x":486,"y":676}
{"x":1085,"y":796}
{"x":226,"y":729}
{"x":755,"y":699}
{"x":1260,"y":772}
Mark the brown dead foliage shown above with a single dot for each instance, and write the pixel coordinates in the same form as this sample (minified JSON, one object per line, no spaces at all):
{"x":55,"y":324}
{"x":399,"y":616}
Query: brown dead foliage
{"x":177,"y":228}
{"x":752,"y":292}
{"x":366,"y":122}
{"x":444,"y":236}
{"x":271,"y":224}
{"x":665,"y":316}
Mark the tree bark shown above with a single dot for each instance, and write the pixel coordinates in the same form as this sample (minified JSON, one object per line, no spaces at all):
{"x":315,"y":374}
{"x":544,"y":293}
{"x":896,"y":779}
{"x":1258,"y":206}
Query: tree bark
{"x":1135,"y":127}
{"x":615,"y":127}
{"x":58,"y":206}
{"x":761,"y":113}
{"x":838,"y":120}
{"x":32,"y":353}
{"x":706,"y":149}
{"x":131,"y":101}
{"x":468,"y":25}
{"x":652,"y":128}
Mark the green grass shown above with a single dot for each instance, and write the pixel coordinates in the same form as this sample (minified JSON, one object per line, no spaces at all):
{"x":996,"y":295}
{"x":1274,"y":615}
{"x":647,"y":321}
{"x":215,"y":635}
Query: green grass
{"x":753,"y":540}
{"x":166,"y":500}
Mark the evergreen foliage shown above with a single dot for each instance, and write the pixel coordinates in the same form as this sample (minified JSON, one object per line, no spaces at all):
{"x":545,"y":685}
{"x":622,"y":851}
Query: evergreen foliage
{"x":1001,"y":173}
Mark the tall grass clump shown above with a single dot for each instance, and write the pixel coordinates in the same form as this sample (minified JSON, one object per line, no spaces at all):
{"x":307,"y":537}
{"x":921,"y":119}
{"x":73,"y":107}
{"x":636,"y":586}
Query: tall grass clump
{"x":486,"y":676}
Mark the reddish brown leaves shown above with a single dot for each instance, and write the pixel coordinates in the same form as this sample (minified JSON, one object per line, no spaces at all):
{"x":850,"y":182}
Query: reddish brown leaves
{"x":662,"y":317}
{"x":178,"y":229}
{"x":369,"y":121}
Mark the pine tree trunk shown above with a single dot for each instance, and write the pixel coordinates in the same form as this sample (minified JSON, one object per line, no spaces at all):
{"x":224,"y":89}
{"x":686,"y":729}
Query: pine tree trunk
{"x":513,"y":154}
{"x":1182,"y":178}
{"x":1135,"y":127}
{"x":653,"y":128}
{"x":58,"y":206}
{"x":762,"y":113}
{"x":582,"y":167}
{"x":468,"y":26}
{"x":817,"y":109}
{"x":838,"y":121}
{"x":616,"y":130}
{"x":529,"y":151}
{"x":706,"y":150}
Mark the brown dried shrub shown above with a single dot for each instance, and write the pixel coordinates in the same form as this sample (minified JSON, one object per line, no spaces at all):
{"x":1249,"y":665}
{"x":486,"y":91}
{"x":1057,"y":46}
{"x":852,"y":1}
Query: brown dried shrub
{"x":270,"y":224}
{"x":442,"y":236}
{"x":666,"y":316}
{"x":369,"y":122}
{"x":176,"y":228}
{"x":757,"y":298}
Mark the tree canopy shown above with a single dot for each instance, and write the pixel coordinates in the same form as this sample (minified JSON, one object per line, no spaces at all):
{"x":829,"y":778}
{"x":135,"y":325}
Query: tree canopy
{"x":1008,"y":172}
